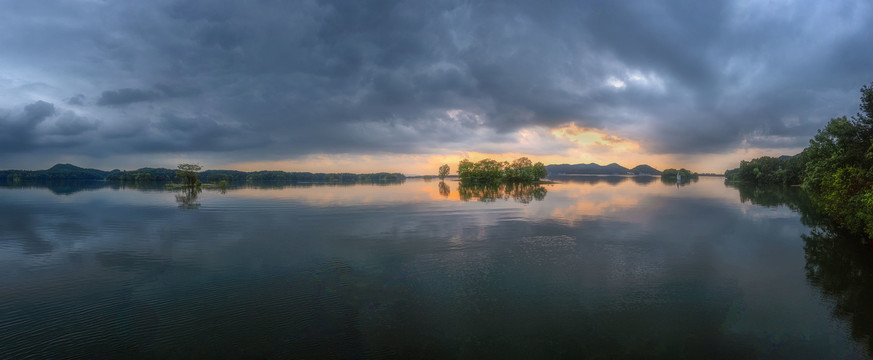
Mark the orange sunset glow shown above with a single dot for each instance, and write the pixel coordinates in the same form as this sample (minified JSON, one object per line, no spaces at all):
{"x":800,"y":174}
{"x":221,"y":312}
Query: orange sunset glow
{"x":576,"y":144}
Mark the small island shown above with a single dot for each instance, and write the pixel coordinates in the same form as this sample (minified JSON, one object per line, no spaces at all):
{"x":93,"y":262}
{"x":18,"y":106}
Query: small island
{"x":681,"y":175}
{"x":488,"y":171}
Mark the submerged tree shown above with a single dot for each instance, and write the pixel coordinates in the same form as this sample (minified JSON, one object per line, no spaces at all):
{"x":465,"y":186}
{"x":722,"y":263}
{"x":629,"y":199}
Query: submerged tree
{"x":492,"y":171}
{"x":188,"y":173}
{"x":682,"y":175}
{"x":444,"y":171}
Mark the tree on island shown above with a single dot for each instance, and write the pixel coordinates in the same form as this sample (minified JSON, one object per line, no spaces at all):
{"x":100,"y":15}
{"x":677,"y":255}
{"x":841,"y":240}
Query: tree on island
{"x":188,"y":173}
{"x":681,"y":174}
{"x":492,"y":171}
{"x":444,"y":171}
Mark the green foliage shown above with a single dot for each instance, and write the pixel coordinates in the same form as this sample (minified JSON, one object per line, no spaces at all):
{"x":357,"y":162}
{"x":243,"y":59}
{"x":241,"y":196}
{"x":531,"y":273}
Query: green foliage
{"x":491,"y":171}
{"x":839,"y":168}
{"x":217,"y":176}
{"x":521,"y":170}
{"x":144,"y":176}
{"x":836,"y":169}
{"x":682,"y":174}
{"x":188,"y":174}
{"x":444,"y":171}
{"x":769,"y":170}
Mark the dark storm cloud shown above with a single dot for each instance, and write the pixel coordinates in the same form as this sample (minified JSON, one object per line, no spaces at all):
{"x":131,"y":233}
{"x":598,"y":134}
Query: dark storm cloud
{"x":129,"y":96}
{"x":41,"y":125}
{"x":19,"y":128}
{"x":78,"y":99}
{"x":126,"y":96}
{"x":410,"y":76}
{"x":173,"y":132}
{"x":70,"y":124}
{"x":37,"y":112}
{"x":177,"y":91}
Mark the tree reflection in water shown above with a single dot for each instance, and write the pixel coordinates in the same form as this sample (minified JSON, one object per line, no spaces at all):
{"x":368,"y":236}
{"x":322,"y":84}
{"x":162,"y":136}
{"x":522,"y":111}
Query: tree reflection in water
{"x":187,"y":198}
{"x":444,"y":189}
{"x":523,"y":193}
{"x":837,"y":262}
{"x":682,"y":182}
{"x":843,"y":270}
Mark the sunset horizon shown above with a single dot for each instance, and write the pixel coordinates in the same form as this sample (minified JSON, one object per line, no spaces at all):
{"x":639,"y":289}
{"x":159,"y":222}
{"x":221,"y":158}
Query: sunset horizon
{"x":405,"y":88}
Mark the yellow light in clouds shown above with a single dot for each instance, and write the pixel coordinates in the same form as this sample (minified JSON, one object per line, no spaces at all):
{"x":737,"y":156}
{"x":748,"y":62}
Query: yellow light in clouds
{"x":593,"y":140}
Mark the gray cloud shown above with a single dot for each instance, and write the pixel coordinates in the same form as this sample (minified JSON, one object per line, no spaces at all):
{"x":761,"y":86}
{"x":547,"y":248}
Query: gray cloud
{"x":77,"y":99}
{"x":41,"y":125}
{"x":174,"y":132}
{"x":37,"y":112}
{"x":19,"y":128}
{"x":126,"y":96}
{"x":298,"y":77}
{"x":177,"y":91}
{"x":70,"y":124}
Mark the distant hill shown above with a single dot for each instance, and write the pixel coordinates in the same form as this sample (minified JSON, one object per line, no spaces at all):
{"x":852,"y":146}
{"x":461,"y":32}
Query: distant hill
{"x":592,"y":168}
{"x":595,"y":169}
{"x":57,"y":172}
{"x":645,"y":169}
{"x":71,"y":170}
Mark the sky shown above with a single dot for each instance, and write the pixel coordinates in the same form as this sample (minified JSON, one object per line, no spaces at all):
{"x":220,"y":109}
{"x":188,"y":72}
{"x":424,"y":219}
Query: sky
{"x":405,"y":86}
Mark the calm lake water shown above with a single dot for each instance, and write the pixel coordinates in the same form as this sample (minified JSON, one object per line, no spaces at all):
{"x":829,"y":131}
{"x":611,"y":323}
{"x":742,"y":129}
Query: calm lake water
{"x":592,"y":267}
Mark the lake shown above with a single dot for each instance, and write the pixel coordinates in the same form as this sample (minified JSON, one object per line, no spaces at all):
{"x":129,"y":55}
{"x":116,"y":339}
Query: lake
{"x":590,"y":267}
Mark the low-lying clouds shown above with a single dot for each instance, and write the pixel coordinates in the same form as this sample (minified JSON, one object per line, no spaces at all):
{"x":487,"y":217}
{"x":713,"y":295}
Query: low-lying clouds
{"x":277,"y":81}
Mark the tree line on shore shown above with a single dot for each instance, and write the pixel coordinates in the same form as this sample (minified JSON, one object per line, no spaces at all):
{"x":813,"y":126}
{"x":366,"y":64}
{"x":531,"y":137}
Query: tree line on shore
{"x":188,"y":176}
{"x":836,"y":169}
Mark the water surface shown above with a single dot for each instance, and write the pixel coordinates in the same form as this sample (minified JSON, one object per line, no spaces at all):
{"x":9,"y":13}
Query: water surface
{"x":596,"y":267}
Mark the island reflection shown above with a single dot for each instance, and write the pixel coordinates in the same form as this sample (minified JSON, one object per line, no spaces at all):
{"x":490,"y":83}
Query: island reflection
{"x":523,"y":193}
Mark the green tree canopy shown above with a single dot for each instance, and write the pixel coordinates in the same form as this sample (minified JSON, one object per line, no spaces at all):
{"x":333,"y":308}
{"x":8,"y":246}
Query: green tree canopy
{"x":839,"y":167}
{"x":188,"y":173}
{"x":769,"y":170}
{"x":836,"y":168}
{"x":673,"y":174}
{"x":444,"y":171}
{"x":492,"y":171}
